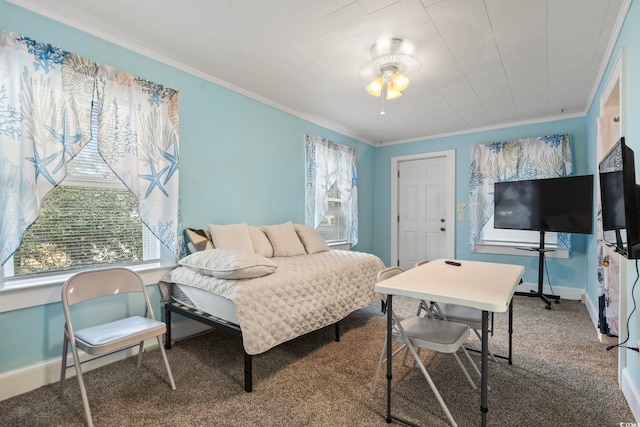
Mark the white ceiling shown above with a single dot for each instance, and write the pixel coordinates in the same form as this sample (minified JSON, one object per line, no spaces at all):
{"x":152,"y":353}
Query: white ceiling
{"x":484,"y":63}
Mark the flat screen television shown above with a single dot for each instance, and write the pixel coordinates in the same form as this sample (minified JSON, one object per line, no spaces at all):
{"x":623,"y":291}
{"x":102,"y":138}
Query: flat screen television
{"x":562,"y":205}
{"x":619,"y":201}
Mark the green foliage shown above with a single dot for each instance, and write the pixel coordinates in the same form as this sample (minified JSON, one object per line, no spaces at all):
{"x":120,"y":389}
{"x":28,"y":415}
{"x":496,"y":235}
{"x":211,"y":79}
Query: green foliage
{"x":81,"y":226}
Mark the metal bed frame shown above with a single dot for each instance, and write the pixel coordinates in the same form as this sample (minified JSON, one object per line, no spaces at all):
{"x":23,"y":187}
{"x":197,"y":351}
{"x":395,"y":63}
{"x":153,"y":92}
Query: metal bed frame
{"x":222,"y":325}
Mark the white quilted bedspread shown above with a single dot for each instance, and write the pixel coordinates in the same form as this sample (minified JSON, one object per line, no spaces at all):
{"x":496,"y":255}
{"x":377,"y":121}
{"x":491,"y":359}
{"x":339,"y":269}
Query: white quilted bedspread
{"x":306,"y":293}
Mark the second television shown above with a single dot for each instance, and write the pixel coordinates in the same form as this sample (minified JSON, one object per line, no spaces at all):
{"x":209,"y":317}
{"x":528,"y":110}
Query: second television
{"x":562,"y":205}
{"x":619,"y":196}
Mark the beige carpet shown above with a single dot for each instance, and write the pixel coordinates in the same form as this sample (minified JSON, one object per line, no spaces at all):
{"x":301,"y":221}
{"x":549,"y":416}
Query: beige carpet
{"x":561,"y":376}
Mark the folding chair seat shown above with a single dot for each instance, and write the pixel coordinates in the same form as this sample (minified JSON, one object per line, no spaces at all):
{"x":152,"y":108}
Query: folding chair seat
{"x":471,"y":317}
{"x":428,"y":333}
{"x":106,"y":338}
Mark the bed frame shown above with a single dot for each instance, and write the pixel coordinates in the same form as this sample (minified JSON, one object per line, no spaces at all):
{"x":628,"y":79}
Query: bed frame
{"x":217,"y":323}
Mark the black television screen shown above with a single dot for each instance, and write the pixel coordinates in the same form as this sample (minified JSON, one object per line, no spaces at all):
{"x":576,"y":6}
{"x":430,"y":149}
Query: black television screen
{"x":618,"y":200}
{"x":562,"y":205}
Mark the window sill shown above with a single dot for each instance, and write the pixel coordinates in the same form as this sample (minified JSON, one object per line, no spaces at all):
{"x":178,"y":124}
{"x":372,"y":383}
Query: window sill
{"x":30,"y":292}
{"x":519,"y":250}
{"x":342,"y":245}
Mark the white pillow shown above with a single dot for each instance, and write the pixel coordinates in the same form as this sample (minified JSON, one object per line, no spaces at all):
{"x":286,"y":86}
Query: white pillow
{"x":312,"y":240}
{"x":284,"y":239}
{"x":261,"y":244}
{"x":229,"y":264}
{"x":231,"y":236}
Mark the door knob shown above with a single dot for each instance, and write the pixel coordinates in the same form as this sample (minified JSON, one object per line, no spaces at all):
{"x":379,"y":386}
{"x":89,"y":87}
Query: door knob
{"x":441,"y":219}
{"x":442,"y":229}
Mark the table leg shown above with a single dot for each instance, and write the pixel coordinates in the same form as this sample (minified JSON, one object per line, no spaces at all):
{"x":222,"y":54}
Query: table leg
{"x":511,"y":332}
{"x":485,"y":371}
{"x":389,"y":354}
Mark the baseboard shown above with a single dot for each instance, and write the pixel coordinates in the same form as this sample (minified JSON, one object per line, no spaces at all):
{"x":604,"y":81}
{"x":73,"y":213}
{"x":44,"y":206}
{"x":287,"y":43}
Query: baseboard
{"x":28,"y":378}
{"x":574,"y":294}
{"x":632,"y":396}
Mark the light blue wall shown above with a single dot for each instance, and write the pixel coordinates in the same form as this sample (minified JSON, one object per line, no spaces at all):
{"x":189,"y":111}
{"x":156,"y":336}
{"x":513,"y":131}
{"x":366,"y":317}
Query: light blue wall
{"x":240,"y":160}
{"x":565,"y":272}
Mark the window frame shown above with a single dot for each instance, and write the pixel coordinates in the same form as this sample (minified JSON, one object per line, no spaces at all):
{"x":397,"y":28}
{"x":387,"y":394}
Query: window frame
{"x":33,"y":292}
{"x":345,"y":229}
{"x":520,"y":247}
{"x":516,"y":245}
{"x":44,"y":288}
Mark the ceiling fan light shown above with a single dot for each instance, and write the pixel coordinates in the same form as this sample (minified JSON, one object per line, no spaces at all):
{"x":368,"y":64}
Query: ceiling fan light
{"x":393,"y":92}
{"x":400,"y":81}
{"x":375,"y":87}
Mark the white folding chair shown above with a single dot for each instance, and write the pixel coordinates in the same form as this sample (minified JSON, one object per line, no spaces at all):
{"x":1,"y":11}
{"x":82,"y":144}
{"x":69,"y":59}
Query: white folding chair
{"x":472,"y":317}
{"x":106,"y":338}
{"x":428,"y":333}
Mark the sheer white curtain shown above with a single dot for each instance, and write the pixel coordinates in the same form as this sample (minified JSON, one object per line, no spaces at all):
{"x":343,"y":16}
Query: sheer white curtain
{"x":328,"y":164}
{"x":45,"y":120}
{"x":520,"y":159}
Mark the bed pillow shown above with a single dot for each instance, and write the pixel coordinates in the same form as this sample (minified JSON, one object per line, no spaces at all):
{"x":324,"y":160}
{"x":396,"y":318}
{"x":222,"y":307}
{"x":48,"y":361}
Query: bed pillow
{"x":229,"y":264}
{"x":312,"y":240}
{"x":197,"y":240}
{"x":261,"y":244}
{"x":284,"y":239}
{"x":231,"y":236}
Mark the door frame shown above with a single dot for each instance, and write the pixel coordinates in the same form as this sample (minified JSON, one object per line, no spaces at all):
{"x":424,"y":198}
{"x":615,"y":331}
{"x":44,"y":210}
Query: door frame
{"x":616,"y":80}
{"x":450,"y":159}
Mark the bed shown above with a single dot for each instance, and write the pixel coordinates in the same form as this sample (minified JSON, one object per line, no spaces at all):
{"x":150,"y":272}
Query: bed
{"x":289,"y":296}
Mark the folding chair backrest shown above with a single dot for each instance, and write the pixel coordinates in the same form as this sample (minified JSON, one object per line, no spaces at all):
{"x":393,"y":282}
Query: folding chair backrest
{"x":88,"y":285}
{"x":388,"y":273}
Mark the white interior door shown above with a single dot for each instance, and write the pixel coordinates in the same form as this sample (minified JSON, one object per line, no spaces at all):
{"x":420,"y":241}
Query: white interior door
{"x":423,"y":217}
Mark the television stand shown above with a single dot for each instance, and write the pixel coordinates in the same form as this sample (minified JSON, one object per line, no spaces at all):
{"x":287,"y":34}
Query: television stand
{"x":539,"y":293}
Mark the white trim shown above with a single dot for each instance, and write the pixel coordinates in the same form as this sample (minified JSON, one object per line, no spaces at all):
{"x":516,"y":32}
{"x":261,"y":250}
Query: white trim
{"x":487,"y":128}
{"x":134,"y":47}
{"x":618,"y":76}
{"x":612,"y":43}
{"x":631,"y":395}
{"x":49,"y":292}
{"x":509,"y":249}
{"x":128,"y":44}
{"x":28,"y":378}
{"x":450,"y":156}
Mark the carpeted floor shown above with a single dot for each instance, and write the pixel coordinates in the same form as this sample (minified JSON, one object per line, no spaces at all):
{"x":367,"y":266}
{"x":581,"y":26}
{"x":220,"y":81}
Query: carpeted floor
{"x":561,"y":376}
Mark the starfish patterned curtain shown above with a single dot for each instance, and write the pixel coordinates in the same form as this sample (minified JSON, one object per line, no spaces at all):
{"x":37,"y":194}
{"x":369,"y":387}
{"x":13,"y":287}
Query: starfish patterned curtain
{"x":45,"y":120}
{"x":46,"y":102}
{"x":138,"y":139}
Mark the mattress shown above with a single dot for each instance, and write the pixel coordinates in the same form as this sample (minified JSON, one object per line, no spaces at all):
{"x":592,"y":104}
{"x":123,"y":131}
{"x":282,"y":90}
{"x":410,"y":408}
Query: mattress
{"x":305,"y":293}
{"x":206,"y":302}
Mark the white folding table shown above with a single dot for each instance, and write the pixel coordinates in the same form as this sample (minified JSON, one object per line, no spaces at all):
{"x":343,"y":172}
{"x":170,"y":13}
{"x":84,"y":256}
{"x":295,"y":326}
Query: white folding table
{"x":486,"y":286}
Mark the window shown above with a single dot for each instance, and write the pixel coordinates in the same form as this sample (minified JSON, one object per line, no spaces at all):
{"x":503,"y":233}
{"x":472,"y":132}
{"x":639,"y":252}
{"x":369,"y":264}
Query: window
{"x":497,"y":236}
{"x":334,"y":224}
{"x":331,"y":193}
{"x":514,"y":160}
{"x":90,"y":219}
{"x":56,"y":101}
